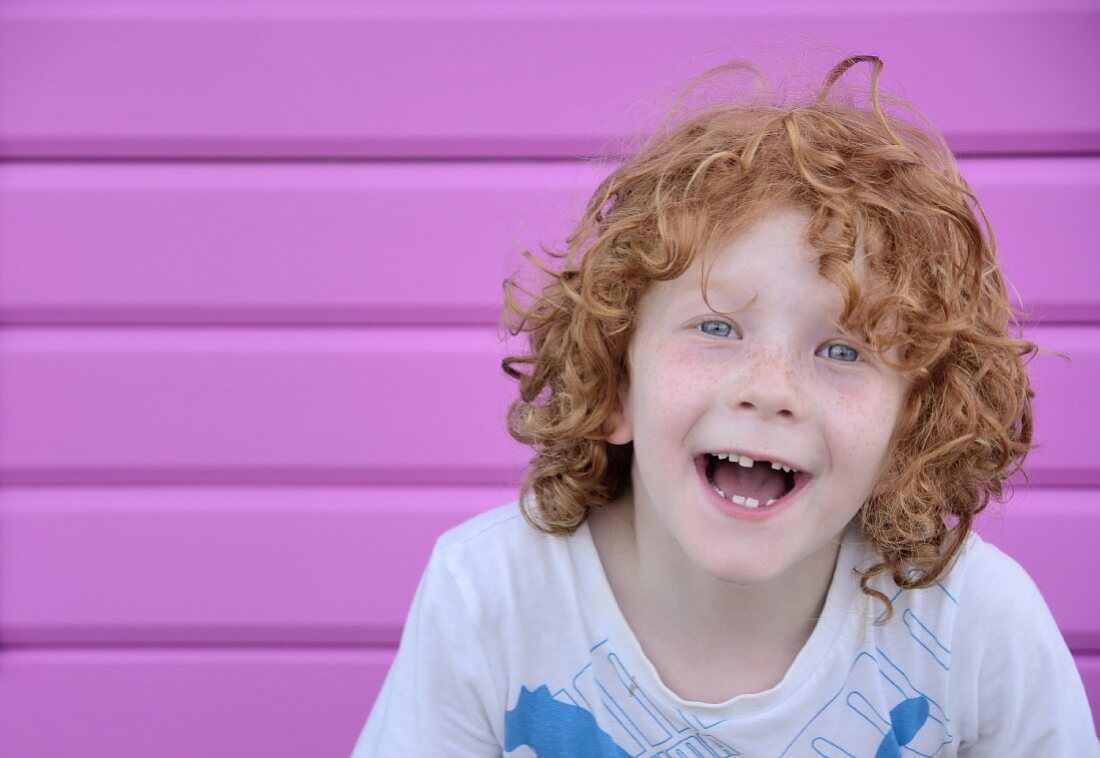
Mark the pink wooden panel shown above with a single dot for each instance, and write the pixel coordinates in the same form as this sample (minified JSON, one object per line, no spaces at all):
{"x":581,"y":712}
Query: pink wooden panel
{"x":548,"y":78}
{"x":203,"y":565}
{"x":396,"y":242}
{"x":263,"y":405}
{"x":210,"y":703}
{"x":291,"y":243}
{"x":178,"y":703}
{"x":309,"y":565}
{"x":251,"y":406}
{"x":1065,"y":406}
{"x":1043,"y":213}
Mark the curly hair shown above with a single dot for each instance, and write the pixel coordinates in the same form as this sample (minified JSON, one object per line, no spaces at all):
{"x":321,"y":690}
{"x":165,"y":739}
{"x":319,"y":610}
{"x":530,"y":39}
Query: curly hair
{"x":933,"y":287}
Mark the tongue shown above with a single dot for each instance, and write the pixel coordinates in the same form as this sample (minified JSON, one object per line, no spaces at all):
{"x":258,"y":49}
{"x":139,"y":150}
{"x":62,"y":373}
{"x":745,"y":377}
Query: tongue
{"x":760,"y":482}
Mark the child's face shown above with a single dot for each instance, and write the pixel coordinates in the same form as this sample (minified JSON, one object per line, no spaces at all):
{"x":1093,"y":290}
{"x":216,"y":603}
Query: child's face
{"x":774,"y":380}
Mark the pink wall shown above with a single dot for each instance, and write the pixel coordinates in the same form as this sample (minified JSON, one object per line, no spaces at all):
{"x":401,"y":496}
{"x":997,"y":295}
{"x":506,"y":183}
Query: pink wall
{"x":250,"y":266}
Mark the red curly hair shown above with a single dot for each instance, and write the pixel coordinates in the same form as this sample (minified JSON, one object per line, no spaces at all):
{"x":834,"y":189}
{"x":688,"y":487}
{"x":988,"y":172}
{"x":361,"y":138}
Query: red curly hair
{"x":867,"y":178}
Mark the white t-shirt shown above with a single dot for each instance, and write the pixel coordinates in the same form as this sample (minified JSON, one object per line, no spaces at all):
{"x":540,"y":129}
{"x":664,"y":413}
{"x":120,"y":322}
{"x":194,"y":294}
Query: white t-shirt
{"x":515,"y":645}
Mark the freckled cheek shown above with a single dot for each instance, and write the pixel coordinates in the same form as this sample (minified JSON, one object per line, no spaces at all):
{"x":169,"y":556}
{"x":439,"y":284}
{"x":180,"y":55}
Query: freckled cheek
{"x":680,"y":381}
{"x":862,"y":426}
{"x":685,"y":369}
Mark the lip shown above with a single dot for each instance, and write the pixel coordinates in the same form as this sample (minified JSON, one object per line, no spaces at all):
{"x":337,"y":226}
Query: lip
{"x":732,"y":510}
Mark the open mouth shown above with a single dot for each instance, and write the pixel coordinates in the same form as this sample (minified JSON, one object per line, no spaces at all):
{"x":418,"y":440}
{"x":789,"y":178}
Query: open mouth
{"x":761,"y":485}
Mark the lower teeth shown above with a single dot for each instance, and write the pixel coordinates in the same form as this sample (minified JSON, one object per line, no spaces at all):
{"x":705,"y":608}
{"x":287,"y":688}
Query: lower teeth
{"x":748,"y":502}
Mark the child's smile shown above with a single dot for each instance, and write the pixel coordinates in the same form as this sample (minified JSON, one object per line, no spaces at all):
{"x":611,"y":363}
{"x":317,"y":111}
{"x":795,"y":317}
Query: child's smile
{"x":775,"y":382}
{"x":772,"y":485}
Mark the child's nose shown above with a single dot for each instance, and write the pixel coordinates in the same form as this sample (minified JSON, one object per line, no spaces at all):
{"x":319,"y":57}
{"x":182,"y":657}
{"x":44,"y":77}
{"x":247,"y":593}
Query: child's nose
{"x":770,"y":385}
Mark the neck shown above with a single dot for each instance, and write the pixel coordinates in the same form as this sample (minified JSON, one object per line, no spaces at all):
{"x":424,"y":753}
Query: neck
{"x":675,"y":604}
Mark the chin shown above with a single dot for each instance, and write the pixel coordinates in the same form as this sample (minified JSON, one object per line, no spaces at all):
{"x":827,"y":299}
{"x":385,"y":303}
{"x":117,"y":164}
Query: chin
{"x":743,"y":572}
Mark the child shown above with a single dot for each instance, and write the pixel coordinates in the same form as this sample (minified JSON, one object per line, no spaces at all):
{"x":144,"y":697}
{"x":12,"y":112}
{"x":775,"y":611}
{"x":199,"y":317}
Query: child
{"x":767,"y":400}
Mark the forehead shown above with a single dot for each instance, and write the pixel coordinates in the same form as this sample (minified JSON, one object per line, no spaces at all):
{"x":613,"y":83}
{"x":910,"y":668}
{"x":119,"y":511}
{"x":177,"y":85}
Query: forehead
{"x":772,"y":253}
{"x":770,"y":264}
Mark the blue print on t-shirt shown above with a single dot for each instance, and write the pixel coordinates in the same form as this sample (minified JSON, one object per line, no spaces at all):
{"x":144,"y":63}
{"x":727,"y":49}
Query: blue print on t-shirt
{"x":906,"y":719}
{"x":552,"y":728}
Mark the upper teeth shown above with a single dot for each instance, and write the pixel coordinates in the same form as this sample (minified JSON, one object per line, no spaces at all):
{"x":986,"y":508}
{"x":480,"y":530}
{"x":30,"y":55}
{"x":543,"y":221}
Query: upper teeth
{"x":746,"y":461}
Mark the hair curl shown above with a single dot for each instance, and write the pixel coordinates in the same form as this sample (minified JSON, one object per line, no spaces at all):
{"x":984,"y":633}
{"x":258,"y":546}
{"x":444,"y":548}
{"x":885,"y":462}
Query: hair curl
{"x":934,"y":287}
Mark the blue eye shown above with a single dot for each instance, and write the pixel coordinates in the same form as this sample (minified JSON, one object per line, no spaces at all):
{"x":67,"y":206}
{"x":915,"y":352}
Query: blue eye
{"x":852,"y":351}
{"x":715,"y":328}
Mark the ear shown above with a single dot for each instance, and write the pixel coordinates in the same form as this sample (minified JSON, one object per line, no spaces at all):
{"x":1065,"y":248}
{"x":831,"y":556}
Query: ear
{"x":618,"y":428}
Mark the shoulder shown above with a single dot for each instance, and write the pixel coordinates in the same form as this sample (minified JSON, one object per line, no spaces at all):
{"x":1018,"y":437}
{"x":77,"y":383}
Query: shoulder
{"x":491,"y":525}
{"x":1012,"y":665}
{"x":496,"y":537}
{"x":981,"y":577}
{"x":976,"y":612}
{"x":987,"y":581}
{"x":986,"y":561}
{"x":502,"y":564}
{"x":987,"y":590}
{"x":983,"y":646}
